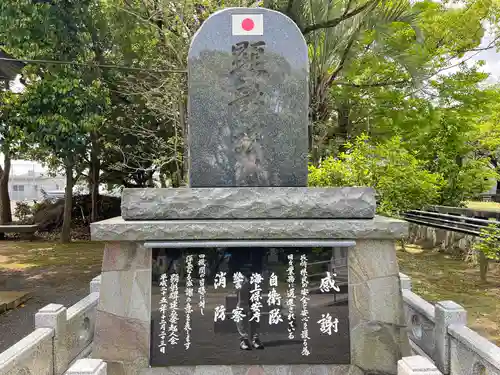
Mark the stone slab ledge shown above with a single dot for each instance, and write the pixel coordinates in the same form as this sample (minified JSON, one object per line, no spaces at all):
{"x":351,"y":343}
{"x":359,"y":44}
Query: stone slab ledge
{"x":117,"y":229}
{"x":256,"y":370}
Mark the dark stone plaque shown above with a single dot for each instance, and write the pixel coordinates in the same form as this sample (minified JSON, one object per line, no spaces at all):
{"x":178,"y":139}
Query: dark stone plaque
{"x":248,"y":101}
{"x":206,"y":301}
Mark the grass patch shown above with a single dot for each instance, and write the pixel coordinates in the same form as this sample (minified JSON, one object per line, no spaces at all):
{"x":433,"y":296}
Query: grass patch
{"x":75,"y":255}
{"x":15,"y":266}
{"x":438,"y":277}
{"x":490,"y":206}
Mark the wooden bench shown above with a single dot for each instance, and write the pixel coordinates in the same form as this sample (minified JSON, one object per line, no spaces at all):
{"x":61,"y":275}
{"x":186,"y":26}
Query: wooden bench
{"x":27,"y":232}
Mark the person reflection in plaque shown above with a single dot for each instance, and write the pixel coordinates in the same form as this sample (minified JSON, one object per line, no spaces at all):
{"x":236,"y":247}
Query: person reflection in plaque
{"x":247,"y":261}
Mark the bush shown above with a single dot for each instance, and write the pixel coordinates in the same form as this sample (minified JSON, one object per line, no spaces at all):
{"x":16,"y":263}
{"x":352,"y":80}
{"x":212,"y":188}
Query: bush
{"x":400,"y":179}
{"x":489,"y":242}
{"x":49,"y":215}
{"x":23,"y":212}
{"x":467,"y":181}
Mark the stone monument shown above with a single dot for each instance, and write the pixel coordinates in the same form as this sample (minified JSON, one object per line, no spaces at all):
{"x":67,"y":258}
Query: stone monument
{"x":248,"y":189}
{"x":247,"y":68}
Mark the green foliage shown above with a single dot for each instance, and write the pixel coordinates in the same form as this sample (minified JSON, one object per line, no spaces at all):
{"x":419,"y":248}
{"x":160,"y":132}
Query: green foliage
{"x":466,"y":180}
{"x":399,"y":178}
{"x":11,"y":136}
{"x":23,"y":211}
{"x":59,"y":111}
{"x":489,"y":242}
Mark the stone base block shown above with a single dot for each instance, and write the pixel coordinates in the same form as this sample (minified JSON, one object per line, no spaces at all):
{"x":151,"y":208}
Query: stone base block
{"x":257,"y":370}
{"x":377,"y":330}
{"x":88,"y":366}
{"x":417,"y":365}
{"x":248,"y":203}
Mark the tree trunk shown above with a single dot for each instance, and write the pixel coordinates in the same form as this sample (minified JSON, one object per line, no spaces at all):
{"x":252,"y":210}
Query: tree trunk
{"x":483,"y":266}
{"x":95,"y":169}
{"x":68,"y":203}
{"x":163,"y":181}
{"x":343,"y":125}
{"x":6,"y":212}
{"x":184,"y":168}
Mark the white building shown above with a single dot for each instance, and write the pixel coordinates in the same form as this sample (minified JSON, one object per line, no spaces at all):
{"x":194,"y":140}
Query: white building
{"x":28,"y":186}
{"x":27,"y":180}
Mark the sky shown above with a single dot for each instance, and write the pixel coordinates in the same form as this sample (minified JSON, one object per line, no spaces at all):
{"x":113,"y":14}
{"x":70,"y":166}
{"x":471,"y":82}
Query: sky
{"x":491,"y":58}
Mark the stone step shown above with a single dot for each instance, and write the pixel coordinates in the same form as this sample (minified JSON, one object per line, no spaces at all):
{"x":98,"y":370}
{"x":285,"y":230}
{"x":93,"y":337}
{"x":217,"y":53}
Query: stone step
{"x":11,"y":299}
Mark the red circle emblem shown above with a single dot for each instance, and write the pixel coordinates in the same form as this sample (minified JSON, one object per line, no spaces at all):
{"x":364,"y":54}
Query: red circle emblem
{"x":247,"y":24}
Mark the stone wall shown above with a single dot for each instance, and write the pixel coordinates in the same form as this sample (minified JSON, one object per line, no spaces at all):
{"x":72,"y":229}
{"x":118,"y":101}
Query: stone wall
{"x":447,"y":240}
{"x":32,"y":355}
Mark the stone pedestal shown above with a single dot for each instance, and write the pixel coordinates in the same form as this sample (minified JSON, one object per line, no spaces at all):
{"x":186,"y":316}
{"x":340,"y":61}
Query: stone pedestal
{"x":123,"y":314}
{"x":377,"y":325}
{"x":377,"y":322}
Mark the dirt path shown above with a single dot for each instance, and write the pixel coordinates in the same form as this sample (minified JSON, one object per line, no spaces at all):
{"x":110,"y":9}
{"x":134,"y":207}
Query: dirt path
{"x":54,"y":273}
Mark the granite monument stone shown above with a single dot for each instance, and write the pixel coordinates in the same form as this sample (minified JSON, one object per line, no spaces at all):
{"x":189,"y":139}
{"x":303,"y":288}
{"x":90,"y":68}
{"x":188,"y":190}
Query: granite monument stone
{"x":248,"y":101}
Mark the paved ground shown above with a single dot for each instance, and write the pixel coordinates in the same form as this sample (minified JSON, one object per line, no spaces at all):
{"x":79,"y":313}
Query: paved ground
{"x":64,"y":282}
{"x":20,"y":322}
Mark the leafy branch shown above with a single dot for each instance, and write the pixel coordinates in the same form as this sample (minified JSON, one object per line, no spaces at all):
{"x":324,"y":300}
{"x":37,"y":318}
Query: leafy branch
{"x":336,"y":21}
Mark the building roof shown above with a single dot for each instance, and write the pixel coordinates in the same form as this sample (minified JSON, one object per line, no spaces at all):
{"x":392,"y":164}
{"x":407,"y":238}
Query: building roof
{"x":9,"y":69}
{"x":35,"y":176}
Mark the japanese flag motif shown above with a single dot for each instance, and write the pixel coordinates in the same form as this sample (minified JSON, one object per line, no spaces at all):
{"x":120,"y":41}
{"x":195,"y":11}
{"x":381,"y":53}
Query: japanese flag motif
{"x":248,"y":24}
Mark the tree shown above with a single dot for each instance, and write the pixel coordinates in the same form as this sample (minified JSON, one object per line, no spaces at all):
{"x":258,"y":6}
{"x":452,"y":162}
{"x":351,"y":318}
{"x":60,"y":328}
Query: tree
{"x":151,"y":112}
{"x":395,"y":52}
{"x":60,"y":31}
{"x":12,"y":146}
{"x":486,"y":142}
{"x":57,"y":114}
{"x":62,"y":106}
{"x":488,"y":248}
{"x":376,"y":67}
{"x":400,"y":179}
{"x":8,"y":135}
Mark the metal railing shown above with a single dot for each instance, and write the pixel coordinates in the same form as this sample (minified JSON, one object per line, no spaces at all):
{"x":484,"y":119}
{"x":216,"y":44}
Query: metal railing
{"x":455,"y":223}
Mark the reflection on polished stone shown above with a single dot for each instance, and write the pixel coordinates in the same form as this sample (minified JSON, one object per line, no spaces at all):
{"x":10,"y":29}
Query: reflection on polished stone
{"x":293,"y":299}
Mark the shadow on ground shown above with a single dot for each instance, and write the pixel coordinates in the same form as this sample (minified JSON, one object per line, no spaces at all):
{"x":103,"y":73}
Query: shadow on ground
{"x":52,"y":272}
